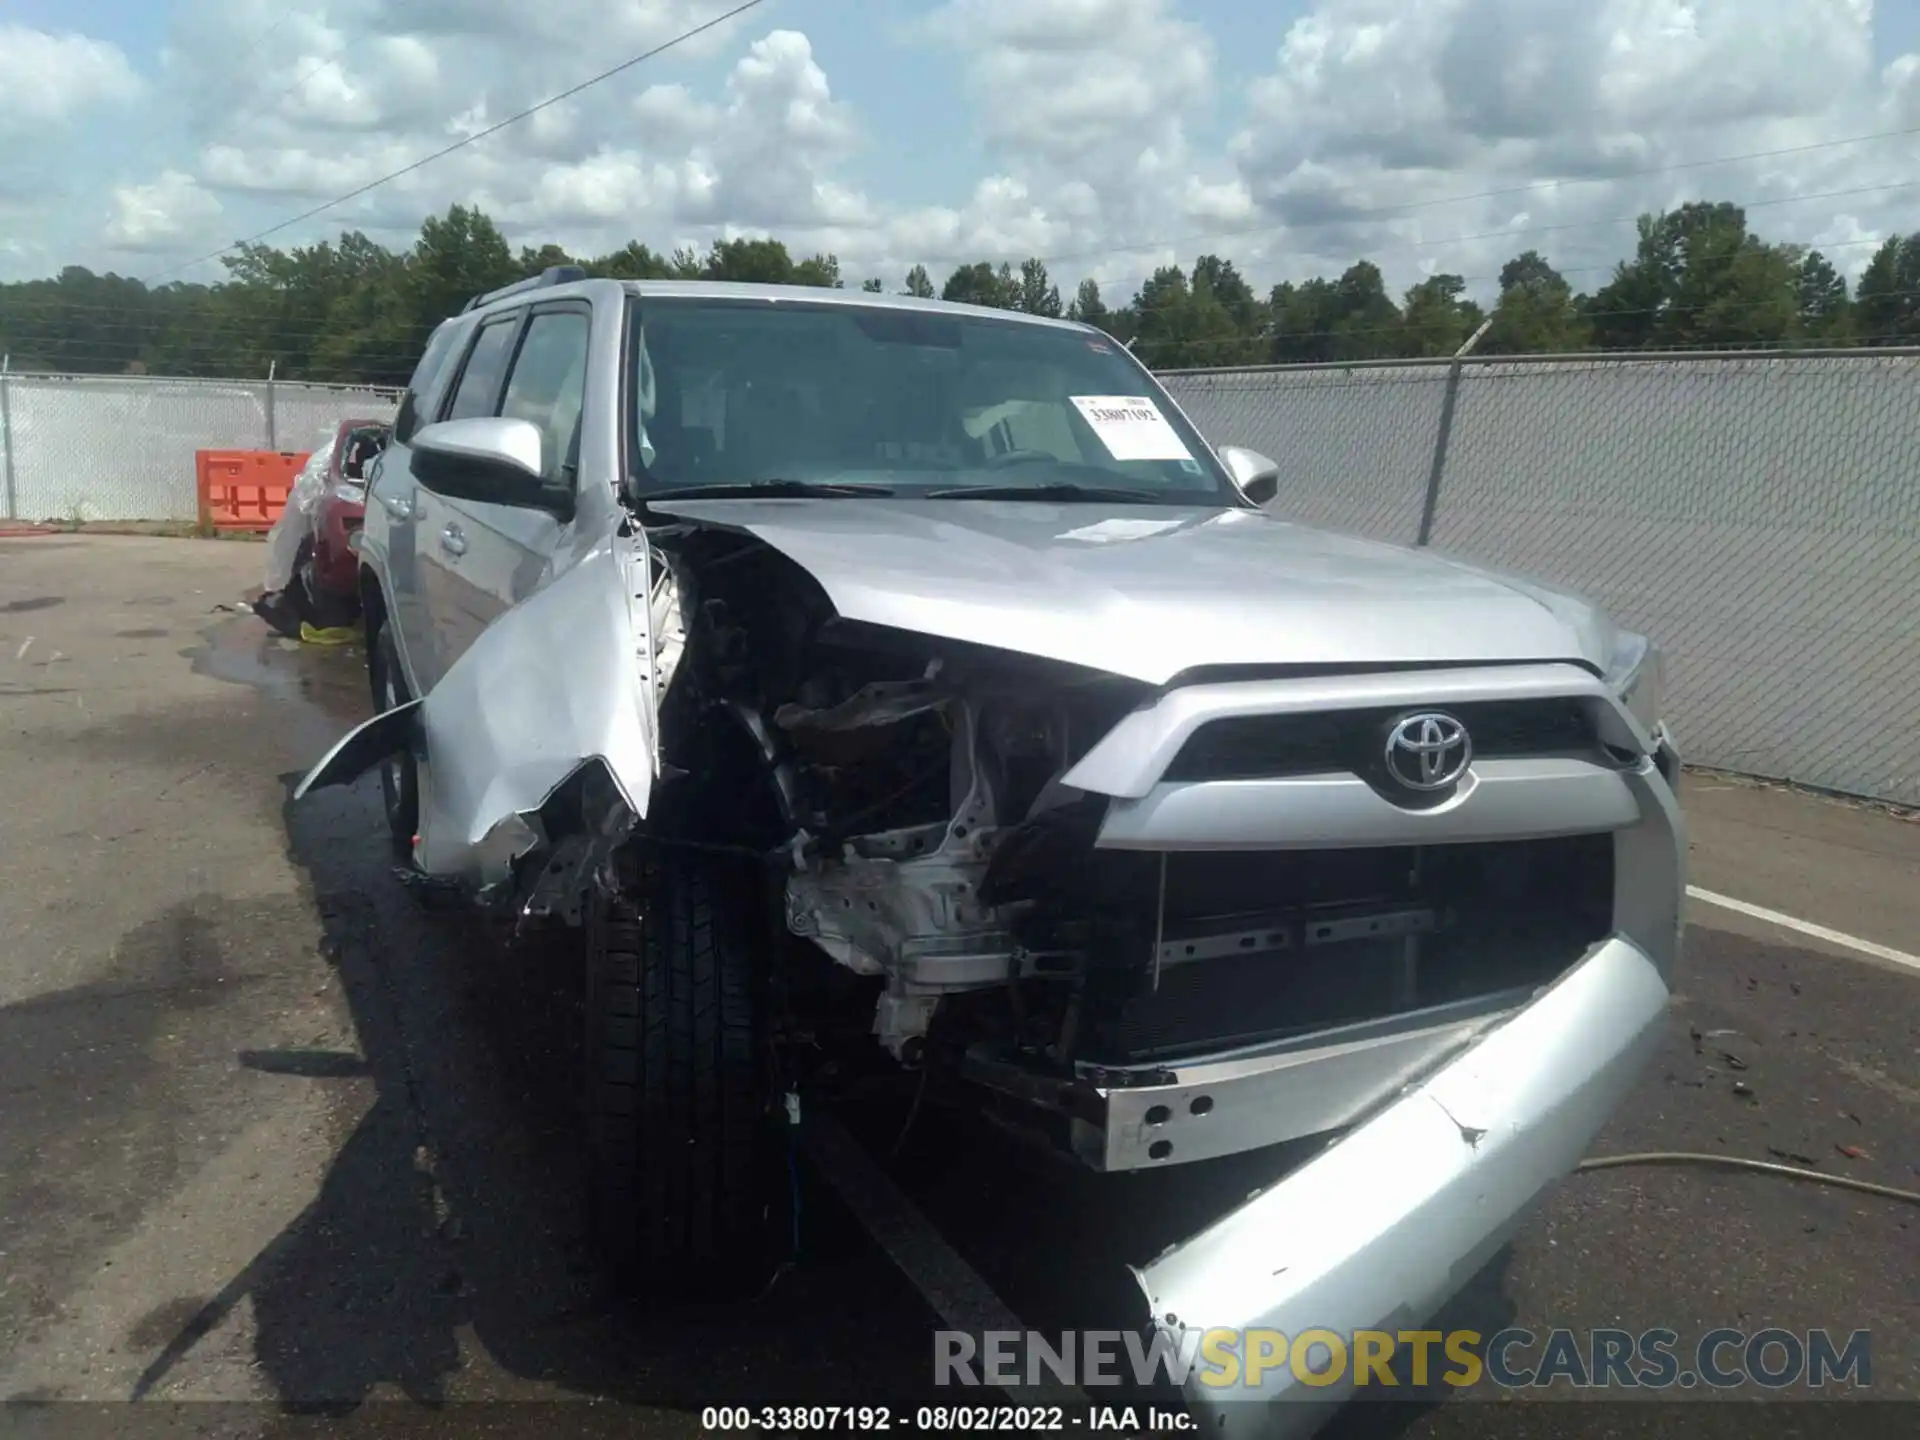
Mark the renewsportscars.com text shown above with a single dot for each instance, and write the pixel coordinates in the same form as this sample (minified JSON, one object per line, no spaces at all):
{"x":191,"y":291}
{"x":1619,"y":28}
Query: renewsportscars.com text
{"x":1657,"y":1359}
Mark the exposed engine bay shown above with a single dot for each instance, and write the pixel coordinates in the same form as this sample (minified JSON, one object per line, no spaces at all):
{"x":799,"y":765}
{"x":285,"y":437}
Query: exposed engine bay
{"x":905,"y":794}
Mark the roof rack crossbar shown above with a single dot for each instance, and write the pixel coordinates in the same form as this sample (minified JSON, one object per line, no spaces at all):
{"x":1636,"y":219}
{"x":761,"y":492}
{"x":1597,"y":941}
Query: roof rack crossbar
{"x":552,"y":275}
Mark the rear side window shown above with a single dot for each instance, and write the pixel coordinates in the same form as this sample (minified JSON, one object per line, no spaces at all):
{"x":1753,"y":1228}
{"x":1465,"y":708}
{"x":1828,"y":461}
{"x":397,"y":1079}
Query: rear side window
{"x":486,"y":367}
{"x":421,"y":389}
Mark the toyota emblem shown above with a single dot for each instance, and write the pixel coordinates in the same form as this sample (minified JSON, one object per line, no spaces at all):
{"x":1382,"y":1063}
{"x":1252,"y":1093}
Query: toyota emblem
{"x":1428,"y":751}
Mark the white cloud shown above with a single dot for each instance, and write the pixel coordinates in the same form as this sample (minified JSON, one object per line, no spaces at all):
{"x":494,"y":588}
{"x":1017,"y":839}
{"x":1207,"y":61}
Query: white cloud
{"x":1381,"y":106}
{"x":1098,"y":133}
{"x":154,"y":217}
{"x":1088,"y":105}
{"x":46,"y":80}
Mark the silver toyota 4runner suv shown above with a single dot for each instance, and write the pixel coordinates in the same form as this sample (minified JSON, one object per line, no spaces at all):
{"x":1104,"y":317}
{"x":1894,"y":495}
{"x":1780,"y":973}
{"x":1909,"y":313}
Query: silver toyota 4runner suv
{"x":873,"y":676}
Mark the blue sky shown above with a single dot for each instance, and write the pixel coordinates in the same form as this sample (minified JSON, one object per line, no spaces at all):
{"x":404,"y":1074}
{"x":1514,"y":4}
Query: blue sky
{"x":142,"y":133}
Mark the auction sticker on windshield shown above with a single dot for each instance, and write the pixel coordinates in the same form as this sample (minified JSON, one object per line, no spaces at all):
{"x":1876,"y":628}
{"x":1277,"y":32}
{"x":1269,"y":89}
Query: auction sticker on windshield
{"x":1131,"y":427}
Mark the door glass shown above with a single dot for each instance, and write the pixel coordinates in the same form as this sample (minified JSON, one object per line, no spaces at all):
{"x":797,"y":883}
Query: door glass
{"x":548,"y":380}
{"x":480,"y":381}
{"x":426,"y":379}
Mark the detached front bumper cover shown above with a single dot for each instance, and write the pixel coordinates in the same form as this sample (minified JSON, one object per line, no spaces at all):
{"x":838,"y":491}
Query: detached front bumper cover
{"x":1386,"y":1225}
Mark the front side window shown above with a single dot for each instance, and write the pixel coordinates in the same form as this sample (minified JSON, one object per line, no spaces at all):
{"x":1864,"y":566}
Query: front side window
{"x":730,"y":392}
{"x":548,"y":382}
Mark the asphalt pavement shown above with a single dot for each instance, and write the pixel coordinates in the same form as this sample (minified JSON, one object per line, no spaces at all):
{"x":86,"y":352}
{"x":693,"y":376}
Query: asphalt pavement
{"x":273,"y":1132}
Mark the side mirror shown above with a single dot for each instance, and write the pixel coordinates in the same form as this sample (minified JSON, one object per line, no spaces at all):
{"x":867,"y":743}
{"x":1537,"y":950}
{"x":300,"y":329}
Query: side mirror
{"x":1256,"y":475}
{"x":490,"y":460}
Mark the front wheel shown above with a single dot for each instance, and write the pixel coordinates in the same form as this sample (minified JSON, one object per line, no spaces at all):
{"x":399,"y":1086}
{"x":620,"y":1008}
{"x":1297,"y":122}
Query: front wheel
{"x":399,"y":775}
{"x":680,"y":1130}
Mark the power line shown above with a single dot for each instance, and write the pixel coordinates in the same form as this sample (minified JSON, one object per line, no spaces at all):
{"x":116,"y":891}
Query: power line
{"x":467,"y":140}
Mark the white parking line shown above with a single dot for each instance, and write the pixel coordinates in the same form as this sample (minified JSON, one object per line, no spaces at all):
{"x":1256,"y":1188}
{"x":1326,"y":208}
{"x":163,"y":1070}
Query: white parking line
{"x":1807,"y":927}
{"x":952,"y":1288}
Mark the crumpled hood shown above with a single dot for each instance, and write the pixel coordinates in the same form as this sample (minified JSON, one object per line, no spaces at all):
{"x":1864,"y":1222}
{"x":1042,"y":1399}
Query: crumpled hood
{"x":1151,"y":591}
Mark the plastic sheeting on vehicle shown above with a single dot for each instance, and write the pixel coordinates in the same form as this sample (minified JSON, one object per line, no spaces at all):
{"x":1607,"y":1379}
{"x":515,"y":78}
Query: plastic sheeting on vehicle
{"x":296,"y":521}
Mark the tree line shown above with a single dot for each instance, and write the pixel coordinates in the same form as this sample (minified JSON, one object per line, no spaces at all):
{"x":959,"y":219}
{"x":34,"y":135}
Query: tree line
{"x":350,"y":310}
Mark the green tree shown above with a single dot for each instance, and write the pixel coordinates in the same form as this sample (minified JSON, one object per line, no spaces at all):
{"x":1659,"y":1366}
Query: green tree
{"x":1035,"y":293}
{"x":873,"y":286}
{"x":534,"y":261}
{"x":1887,"y":300}
{"x":821,"y":270}
{"x":632,"y":261}
{"x":1351,"y":318}
{"x":980,"y":284}
{"x":1218,"y":280}
{"x":919,"y":283}
{"x":1184,"y":322}
{"x":1303,"y":321}
{"x":1536,"y":313}
{"x":1699,"y":278}
{"x":1436,"y":317}
{"x":760,"y":262}
{"x":1087,"y":307}
{"x":458,"y":255}
{"x":1822,"y":299}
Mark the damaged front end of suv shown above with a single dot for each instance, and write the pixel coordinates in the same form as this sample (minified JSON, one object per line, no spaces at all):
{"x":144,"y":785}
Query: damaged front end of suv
{"x":1157,"y":828}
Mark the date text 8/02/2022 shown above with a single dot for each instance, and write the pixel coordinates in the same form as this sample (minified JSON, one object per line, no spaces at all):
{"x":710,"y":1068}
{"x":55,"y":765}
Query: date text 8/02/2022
{"x":945,"y":1419}
{"x":1655,"y":1359}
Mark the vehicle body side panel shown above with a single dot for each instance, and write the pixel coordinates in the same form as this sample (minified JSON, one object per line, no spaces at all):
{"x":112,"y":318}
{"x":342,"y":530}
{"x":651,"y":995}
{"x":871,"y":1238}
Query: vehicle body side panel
{"x":553,"y":683}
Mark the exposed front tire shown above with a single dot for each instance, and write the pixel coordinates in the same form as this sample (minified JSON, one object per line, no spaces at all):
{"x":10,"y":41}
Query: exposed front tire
{"x":680,"y":1136}
{"x":399,"y":775}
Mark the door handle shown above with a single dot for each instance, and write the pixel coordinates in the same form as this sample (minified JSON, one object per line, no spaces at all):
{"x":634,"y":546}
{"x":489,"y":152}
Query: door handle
{"x":453,"y":540}
{"x":400,"y":507}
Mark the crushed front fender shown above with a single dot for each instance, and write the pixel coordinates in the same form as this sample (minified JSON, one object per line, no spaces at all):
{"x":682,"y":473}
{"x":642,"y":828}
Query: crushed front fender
{"x":557,"y":682}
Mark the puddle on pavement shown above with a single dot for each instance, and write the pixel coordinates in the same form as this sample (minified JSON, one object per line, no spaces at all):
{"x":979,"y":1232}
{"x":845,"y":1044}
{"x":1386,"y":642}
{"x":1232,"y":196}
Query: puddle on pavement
{"x":323,"y":689}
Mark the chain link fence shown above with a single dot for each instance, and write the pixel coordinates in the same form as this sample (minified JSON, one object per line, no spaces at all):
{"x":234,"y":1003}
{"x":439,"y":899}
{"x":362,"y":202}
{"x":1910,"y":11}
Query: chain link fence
{"x":120,"y":447}
{"x":1758,"y":515}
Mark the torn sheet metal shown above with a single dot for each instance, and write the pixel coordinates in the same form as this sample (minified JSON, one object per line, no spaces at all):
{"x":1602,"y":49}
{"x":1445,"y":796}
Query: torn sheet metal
{"x":361,"y":748}
{"x":551,"y":685}
{"x":1380,"y":1230}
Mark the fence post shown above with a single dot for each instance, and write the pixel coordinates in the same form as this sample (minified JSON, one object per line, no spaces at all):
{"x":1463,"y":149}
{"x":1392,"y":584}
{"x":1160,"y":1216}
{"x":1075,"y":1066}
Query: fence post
{"x":273,"y":430}
{"x":1441,"y":440}
{"x":6,"y":432}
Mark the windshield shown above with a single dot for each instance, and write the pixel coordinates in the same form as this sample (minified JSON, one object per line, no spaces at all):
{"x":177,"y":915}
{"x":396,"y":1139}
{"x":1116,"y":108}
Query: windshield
{"x":745,"y":392}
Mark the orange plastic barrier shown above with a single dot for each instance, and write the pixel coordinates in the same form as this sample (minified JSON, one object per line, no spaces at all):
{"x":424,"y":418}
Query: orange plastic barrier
{"x":244,"y":489}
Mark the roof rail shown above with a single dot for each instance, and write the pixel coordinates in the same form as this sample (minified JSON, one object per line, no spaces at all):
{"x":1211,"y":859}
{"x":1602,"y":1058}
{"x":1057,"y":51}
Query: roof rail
{"x":552,"y":275}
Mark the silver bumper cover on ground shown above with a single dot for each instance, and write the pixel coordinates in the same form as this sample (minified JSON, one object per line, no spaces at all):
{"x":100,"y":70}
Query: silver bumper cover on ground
{"x":1384,"y":1227}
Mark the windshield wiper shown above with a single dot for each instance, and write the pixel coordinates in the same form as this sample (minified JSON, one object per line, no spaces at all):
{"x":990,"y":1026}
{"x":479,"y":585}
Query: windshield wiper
{"x":764,"y":489}
{"x":1060,"y":490}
